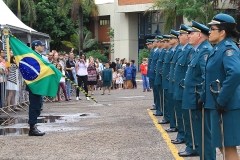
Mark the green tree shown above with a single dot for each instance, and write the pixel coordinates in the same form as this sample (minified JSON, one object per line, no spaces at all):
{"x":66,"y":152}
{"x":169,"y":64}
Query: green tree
{"x":88,"y":41}
{"x":29,"y":8}
{"x":169,"y":9}
{"x":77,"y":7}
{"x":199,"y":10}
{"x":59,"y":27}
{"x":143,"y":53}
{"x":111,"y":36}
{"x":97,"y":54}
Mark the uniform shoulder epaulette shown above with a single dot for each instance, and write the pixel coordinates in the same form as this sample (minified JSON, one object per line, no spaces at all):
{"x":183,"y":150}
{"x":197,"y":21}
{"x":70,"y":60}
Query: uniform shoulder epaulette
{"x":227,"y":43}
{"x":205,"y":47}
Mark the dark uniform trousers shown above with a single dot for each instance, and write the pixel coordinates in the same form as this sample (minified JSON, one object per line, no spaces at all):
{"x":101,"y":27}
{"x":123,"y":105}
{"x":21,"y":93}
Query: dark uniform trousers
{"x":209,"y":150}
{"x":166,"y":111}
{"x":187,"y":132}
{"x":34,"y":107}
{"x":156,"y":95}
{"x":178,"y":109}
{"x":151,"y":86}
{"x":171,"y":110}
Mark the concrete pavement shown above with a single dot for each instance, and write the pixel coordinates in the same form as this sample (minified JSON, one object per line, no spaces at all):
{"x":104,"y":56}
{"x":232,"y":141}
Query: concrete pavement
{"x":119,"y":127}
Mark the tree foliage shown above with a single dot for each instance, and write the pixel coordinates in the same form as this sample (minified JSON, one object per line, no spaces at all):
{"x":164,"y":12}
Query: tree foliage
{"x":59,"y":27}
{"x":88,"y":42}
{"x":29,"y":9}
{"x":168,"y":9}
{"x":111,"y":36}
{"x":77,"y":7}
{"x":143,"y":53}
{"x":199,"y":10}
{"x":97,"y":54}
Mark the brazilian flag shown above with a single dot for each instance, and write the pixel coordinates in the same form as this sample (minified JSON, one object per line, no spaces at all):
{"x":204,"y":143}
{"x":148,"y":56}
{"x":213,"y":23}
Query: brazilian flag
{"x":41,"y":77}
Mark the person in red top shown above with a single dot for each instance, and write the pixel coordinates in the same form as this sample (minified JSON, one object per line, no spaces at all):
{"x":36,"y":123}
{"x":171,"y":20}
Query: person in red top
{"x":145,"y":80}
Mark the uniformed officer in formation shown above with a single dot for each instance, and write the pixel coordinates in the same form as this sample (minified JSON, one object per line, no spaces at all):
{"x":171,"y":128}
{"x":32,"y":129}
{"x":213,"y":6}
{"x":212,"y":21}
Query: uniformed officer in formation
{"x":165,"y":81}
{"x":157,"y":81}
{"x":204,"y":83}
{"x":223,"y":65}
{"x":179,"y":75}
{"x":165,"y":47}
{"x":150,"y":47}
{"x":195,"y":75}
{"x":175,"y":50}
{"x":177,"y":103}
{"x":152,"y":73}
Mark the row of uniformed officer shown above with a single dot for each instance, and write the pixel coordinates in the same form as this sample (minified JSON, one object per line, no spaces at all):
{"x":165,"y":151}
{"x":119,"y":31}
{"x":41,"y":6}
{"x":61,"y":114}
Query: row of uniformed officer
{"x":179,"y":76}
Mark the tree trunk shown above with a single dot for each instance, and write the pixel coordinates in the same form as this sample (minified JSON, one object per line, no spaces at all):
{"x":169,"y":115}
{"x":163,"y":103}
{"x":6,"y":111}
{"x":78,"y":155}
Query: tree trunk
{"x":80,"y":12}
{"x":19,"y":10}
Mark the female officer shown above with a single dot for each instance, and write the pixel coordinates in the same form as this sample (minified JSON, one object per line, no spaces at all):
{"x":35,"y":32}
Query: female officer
{"x":223,"y":65}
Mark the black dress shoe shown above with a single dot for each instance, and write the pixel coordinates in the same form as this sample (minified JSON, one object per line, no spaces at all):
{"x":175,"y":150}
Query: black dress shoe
{"x":177,"y":141}
{"x":153,"y":109}
{"x":158,"y":114}
{"x":163,"y":122}
{"x":187,"y":154}
{"x":34,"y":131}
{"x":172,"y":130}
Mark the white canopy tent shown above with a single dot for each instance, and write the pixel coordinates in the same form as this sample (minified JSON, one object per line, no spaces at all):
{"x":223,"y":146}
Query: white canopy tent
{"x":18,"y":28}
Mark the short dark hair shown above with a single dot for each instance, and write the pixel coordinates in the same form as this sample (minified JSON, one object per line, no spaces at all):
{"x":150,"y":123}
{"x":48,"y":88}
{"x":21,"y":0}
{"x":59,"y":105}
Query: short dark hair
{"x":133,"y":61}
{"x":128,"y":64}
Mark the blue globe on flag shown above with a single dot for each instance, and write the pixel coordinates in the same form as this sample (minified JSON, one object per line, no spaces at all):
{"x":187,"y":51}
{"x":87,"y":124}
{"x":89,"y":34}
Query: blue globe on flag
{"x":29,"y":68}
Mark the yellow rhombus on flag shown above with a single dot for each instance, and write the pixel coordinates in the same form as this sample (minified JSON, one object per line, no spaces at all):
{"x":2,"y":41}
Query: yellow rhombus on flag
{"x":41,"y":77}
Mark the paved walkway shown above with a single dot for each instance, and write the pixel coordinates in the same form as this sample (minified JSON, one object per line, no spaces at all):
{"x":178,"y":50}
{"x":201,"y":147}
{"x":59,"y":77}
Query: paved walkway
{"x":119,"y":127}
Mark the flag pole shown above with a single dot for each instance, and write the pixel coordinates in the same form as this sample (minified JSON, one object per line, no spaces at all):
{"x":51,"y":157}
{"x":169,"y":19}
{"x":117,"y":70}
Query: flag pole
{"x":82,"y":90}
{"x":5,"y":33}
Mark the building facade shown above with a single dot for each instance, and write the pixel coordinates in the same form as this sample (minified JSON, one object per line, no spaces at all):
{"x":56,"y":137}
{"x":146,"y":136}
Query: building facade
{"x":132,"y":26}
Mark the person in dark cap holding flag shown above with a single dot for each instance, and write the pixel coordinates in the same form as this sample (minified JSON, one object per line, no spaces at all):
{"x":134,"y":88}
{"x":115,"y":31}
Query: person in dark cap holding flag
{"x":193,"y":92}
{"x":223,"y":66}
{"x":34,"y":99}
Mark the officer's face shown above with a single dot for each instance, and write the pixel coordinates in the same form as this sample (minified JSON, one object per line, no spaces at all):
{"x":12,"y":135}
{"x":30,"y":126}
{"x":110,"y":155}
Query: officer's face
{"x":173,"y":41}
{"x":183,"y":38}
{"x":214,"y":35}
{"x":194,"y":38}
{"x":159,"y":44}
{"x":39,"y":49}
{"x":154,"y":44}
{"x":166,"y":44}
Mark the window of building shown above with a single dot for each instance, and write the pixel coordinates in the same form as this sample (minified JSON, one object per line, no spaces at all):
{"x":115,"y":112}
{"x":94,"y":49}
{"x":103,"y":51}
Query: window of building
{"x":104,"y":22}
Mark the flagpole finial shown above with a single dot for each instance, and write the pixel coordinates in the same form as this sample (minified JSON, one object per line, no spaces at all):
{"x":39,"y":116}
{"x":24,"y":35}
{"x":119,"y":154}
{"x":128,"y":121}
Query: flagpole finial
{"x":5,"y":31}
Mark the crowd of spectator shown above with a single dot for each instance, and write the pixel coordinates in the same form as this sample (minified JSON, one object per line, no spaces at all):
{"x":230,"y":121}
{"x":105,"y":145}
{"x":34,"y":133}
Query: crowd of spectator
{"x":85,"y":72}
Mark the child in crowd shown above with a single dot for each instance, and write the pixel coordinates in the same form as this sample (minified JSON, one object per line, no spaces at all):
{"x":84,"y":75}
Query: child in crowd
{"x":61,"y":84}
{"x":128,"y":73}
{"x":107,"y":79}
{"x":134,"y":73}
{"x":114,"y":79}
{"x":119,"y":80}
{"x":145,"y":80}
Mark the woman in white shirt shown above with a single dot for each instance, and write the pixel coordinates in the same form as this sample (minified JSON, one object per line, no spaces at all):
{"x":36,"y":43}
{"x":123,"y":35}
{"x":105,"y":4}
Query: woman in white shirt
{"x":82,"y":74}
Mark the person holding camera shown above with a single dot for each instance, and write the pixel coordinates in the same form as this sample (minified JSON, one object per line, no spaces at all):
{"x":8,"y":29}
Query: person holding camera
{"x":82,"y":74}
